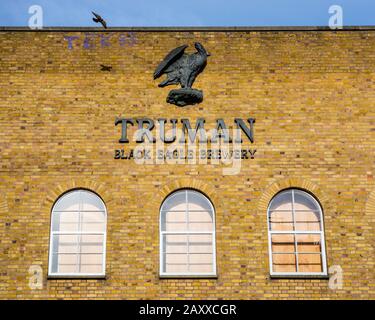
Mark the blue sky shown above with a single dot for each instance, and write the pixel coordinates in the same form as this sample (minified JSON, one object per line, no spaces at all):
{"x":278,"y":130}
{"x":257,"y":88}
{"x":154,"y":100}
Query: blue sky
{"x":188,"y":12}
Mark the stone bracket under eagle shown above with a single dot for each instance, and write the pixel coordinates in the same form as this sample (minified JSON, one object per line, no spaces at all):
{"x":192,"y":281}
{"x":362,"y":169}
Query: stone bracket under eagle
{"x":182,"y":68}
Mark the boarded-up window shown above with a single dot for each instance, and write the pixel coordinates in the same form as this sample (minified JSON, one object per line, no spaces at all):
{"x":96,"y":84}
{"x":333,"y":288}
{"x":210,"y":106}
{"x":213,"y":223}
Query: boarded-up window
{"x":187,"y":235}
{"x":296,"y":234}
{"x":78,"y":232}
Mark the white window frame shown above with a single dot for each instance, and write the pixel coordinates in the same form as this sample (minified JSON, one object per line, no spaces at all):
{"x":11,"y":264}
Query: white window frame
{"x":52,"y":233}
{"x":212,"y":274}
{"x":324,"y":273}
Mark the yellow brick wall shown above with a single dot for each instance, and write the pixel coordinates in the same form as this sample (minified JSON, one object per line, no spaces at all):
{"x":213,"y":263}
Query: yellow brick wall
{"x":312,"y":94}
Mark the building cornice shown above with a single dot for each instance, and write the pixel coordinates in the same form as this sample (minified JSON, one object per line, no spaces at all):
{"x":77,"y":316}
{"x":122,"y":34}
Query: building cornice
{"x":191,"y":29}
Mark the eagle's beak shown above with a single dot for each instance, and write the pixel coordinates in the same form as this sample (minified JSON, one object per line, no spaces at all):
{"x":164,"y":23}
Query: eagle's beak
{"x":208,"y":54}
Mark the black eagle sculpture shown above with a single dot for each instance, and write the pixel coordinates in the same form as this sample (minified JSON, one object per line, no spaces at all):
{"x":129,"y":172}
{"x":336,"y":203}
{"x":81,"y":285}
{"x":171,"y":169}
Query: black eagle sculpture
{"x":182,"y":68}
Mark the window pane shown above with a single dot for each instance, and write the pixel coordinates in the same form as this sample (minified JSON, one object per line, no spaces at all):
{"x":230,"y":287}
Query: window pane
{"x":68,"y":202}
{"x":303,"y":201}
{"x":309,"y":262}
{"x":200,"y":221}
{"x":175,"y":253}
{"x":175,"y":202}
{"x":309,"y":252}
{"x":200,"y":243}
{"x":201,"y":216}
{"x":197,"y":201}
{"x":174,"y":221}
{"x":65,"y":263}
{"x":175,"y":243}
{"x":181,"y":255}
{"x":200,"y":248}
{"x":65,"y":221}
{"x":91,"y":202}
{"x":284,"y":262}
{"x":176,"y":258}
{"x":176,"y":227}
{"x":201,"y":268}
{"x":176,"y":268}
{"x":283,"y":201}
{"x":175,"y":216}
{"x":308,"y":243}
{"x":200,"y":263}
{"x":307,"y":221}
{"x":65,"y":244}
{"x":281,"y":220}
{"x":282,"y":243}
{"x":197,"y":258}
{"x":93,"y":221}
{"x":91,"y":244}
{"x":91,"y":263}
{"x":77,"y":253}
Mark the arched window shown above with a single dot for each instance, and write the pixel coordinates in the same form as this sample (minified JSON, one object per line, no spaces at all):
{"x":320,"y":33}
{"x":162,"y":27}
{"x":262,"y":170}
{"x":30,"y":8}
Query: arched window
{"x":78,"y":235}
{"x":187,"y":235}
{"x":296,"y":235}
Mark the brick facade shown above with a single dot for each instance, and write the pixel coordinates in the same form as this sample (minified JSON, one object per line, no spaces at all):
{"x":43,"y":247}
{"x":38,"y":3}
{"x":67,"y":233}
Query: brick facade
{"x":312,"y":94}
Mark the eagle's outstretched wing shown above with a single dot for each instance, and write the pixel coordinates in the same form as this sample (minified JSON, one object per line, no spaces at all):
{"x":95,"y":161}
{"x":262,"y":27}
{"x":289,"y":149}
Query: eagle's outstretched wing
{"x":168,"y":60}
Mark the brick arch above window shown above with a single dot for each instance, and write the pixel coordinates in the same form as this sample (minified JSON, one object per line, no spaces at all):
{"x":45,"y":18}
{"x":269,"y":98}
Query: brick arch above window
{"x":3,"y":205}
{"x":370,"y":211}
{"x":186,"y":183}
{"x":306,"y":185}
{"x":370,"y":204}
{"x":56,"y":191}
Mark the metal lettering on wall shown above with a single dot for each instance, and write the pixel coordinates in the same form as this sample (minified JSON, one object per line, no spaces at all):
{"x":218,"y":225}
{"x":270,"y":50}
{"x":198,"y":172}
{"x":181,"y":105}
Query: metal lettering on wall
{"x":220,"y":131}
{"x":186,"y":142}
